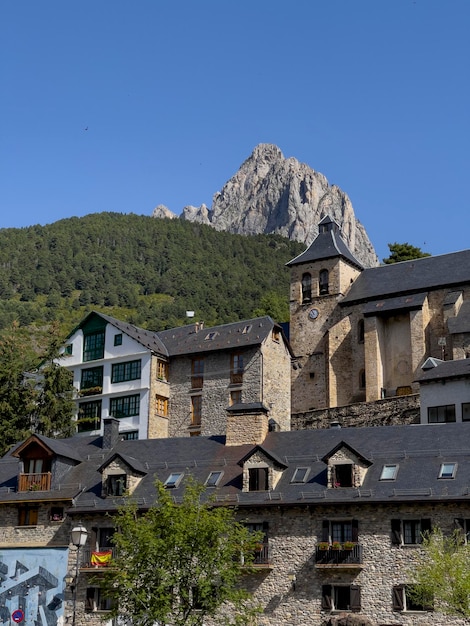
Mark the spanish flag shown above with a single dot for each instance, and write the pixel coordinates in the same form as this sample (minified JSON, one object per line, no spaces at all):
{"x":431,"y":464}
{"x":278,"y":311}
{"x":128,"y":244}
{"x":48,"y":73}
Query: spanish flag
{"x":101,"y":559}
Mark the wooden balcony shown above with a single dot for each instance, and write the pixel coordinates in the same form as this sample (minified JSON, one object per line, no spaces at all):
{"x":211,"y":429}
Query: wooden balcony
{"x":35,"y":482}
{"x":339,"y":558}
{"x":236,"y":377}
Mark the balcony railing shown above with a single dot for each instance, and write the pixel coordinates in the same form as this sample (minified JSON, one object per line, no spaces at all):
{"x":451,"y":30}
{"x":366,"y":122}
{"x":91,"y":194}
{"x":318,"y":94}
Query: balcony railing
{"x":98,"y":558}
{"x":35,"y":482}
{"x":236,"y":377}
{"x":338,"y":556}
{"x":90,"y":391}
{"x":261,"y":556}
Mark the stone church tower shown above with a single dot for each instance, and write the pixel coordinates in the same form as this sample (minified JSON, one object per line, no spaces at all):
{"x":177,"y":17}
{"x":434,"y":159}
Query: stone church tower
{"x":320,"y":277}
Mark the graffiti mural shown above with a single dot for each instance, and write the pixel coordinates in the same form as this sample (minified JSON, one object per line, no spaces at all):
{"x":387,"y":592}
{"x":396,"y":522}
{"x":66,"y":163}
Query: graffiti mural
{"x":32,"y":585}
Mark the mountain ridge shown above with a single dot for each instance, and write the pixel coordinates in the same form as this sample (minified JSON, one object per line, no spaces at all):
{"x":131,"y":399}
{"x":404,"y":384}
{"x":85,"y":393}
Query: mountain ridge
{"x":271,"y":194}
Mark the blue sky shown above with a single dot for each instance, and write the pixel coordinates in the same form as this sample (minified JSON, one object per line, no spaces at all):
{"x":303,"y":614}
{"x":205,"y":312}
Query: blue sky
{"x":115,"y":105}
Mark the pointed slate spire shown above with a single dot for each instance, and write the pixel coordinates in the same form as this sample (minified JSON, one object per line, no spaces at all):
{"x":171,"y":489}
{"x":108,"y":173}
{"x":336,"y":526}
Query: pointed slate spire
{"x":327,"y":245}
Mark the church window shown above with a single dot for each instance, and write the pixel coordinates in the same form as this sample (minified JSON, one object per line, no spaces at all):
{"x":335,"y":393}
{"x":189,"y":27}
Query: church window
{"x":324,"y":282}
{"x":360,"y":331}
{"x":306,"y":287}
{"x":362,"y":379}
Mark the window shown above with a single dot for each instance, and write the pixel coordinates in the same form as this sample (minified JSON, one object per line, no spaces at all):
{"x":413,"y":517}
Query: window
{"x":362,"y":379}
{"x":258,"y":479}
{"x":116,"y":484}
{"x":213,"y":479}
{"x":306,"y":288}
{"x":323,"y":282}
{"x":360,"y":331}
{"x":403,"y":600}
{"x":130,"y":434}
{"x":27,"y":515}
{"x":235,"y":397}
{"x":104,"y":537}
{"x":342,"y":475}
{"x":340,"y":531}
{"x":118,"y":339}
{"x":389,"y":472}
{"x":173,"y":480}
{"x":125,"y":406}
{"x":300,"y":474}
{"x":236,"y":368}
{"x":409,"y":531}
{"x":466,"y":411}
{"x":196,"y":410}
{"x":93,"y":346}
{"x":211,"y":336}
{"x":161,"y":405}
{"x":89,"y":416}
{"x":96,"y":600}
{"x":448,"y":470}
{"x":162,"y":370}
{"x":246,"y":329}
{"x":441,"y":414}
{"x":92,"y":378}
{"x":261,"y":555}
{"x":68,"y":349}
{"x":462,"y":526}
{"x":276,"y":335}
{"x":197,"y":373}
{"x":57,"y":514}
{"x":121,"y":372}
{"x":341,"y":598}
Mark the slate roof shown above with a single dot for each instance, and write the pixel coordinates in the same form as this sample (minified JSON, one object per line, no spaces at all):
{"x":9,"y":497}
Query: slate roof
{"x":327,"y":244}
{"x":192,"y":339}
{"x":418,"y":450}
{"x":408,"y":277}
{"x":458,"y":368}
{"x":196,"y":338}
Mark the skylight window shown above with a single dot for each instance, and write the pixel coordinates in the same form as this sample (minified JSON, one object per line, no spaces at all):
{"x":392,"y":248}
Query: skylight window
{"x":300,"y":475}
{"x":173,"y":480}
{"x":211,"y":336}
{"x":448,"y":470}
{"x":246,"y":329}
{"x":389,"y":472}
{"x":213,"y":479}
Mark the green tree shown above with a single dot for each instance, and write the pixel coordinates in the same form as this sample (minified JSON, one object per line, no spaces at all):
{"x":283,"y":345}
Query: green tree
{"x":179,"y":563}
{"x":54,"y":403}
{"x":17,"y":392}
{"x":403,"y":252}
{"x":443,"y":573}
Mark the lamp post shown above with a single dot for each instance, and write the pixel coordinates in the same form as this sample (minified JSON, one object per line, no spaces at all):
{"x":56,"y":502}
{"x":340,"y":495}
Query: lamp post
{"x":79,"y":536}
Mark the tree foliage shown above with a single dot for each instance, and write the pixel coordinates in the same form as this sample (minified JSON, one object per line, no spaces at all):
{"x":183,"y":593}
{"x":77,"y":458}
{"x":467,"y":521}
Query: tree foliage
{"x":403,"y":252}
{"x":179,"y":563}
{"x":35,"y":394}
{"x":443,"y":573}
{"x":140,"y":269}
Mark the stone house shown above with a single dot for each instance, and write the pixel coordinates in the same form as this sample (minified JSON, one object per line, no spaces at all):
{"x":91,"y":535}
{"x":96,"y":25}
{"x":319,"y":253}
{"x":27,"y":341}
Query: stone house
{"x":177,"y":382}
{"x":361,"y":334}
{"x":343,"y":511}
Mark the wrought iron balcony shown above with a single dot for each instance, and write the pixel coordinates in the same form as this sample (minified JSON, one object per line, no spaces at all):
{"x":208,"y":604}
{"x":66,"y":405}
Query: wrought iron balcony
{"x":261,"y":557}
{"x":338,"y":556}
{"x":98,"y":558}
{"x":35,"y":482}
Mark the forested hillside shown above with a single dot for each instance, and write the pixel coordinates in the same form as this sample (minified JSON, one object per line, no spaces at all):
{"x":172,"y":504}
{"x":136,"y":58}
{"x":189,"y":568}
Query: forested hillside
{"x":141,"y":269}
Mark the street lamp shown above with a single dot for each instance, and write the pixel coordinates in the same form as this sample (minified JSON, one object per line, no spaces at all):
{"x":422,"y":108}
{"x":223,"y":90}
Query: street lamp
{"x":79,"y":536}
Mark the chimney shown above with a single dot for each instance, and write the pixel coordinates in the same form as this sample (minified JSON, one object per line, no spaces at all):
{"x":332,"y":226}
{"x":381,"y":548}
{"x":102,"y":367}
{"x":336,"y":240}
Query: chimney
{"x":110,"y":432}
{"x":246,"y":423}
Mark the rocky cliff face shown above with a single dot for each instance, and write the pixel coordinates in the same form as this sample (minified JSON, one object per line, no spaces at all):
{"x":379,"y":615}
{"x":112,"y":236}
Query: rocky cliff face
{"x":272,"y":194}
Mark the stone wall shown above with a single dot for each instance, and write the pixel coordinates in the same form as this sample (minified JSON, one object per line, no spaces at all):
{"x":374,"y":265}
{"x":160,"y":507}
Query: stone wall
{"x":397,"y":410}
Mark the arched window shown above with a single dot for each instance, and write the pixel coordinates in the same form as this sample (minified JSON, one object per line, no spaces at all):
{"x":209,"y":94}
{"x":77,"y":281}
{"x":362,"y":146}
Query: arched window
{"x":360,"y":331}
{"x":323,"y":282}
{"x":306,"y":287}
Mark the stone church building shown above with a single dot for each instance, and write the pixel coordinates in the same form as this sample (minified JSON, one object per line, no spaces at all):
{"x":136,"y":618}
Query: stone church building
{"x":362,"y":334}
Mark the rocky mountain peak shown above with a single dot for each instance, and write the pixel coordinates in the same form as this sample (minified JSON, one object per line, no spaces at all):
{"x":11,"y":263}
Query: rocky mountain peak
{"x":274,"y":194}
